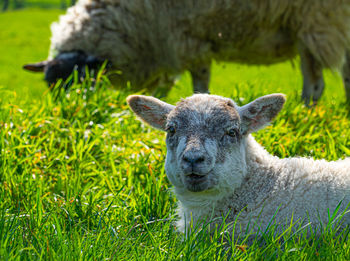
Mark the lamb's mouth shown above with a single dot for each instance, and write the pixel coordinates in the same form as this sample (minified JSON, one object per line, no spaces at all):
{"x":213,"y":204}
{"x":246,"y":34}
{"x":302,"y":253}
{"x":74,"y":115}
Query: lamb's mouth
{"x":196,"y":183}
{"x":195,"y":177}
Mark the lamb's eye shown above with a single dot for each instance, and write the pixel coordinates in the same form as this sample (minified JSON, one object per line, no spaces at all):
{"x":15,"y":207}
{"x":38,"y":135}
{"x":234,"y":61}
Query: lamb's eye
{"x":171,"y":130}
{"x":232,"y":132}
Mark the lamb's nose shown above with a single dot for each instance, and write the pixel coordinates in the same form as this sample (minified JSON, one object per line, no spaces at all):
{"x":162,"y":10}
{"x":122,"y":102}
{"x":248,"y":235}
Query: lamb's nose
{"x":193,"y":159}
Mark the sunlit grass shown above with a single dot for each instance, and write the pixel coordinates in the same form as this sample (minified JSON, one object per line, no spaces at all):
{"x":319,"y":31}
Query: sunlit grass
{"x":82,"y":178}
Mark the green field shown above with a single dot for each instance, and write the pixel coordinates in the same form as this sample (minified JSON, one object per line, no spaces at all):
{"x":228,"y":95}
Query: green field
{"x":25,"y":38}
{"x":81,"y":178}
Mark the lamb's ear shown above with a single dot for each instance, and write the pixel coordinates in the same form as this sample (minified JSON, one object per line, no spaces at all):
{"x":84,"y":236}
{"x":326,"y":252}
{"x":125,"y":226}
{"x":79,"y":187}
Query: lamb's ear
{"x":35,"y":67}
{"x":259,"y":113}
{"x":150,"y":110}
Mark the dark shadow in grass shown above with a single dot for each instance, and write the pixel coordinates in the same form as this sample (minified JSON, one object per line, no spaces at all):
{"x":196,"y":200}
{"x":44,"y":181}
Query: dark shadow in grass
{"x":346,"y":105}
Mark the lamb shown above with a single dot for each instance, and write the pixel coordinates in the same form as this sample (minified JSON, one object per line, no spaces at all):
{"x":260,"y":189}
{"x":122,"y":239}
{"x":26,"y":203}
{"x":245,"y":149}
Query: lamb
{"x":218,"y":169}
{"x":150,"y":41}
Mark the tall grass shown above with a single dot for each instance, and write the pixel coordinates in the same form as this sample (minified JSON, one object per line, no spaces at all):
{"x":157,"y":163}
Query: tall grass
{"x":82,"y":178}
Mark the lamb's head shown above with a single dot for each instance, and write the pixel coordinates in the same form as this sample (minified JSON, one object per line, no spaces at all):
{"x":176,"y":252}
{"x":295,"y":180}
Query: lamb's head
{"x":206,"y":137}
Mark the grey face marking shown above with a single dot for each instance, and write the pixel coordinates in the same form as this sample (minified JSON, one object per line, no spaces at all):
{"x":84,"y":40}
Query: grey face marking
{"x":202,"y":131}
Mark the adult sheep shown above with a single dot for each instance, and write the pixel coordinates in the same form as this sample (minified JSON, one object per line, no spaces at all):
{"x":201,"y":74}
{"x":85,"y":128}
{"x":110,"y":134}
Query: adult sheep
{"x":149,"y":41}
{"x":218,"y":169}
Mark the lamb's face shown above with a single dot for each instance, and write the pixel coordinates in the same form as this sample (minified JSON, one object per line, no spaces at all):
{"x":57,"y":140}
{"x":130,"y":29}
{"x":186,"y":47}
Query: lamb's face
{"x":206,"y":137}
{"x":204,"y":144}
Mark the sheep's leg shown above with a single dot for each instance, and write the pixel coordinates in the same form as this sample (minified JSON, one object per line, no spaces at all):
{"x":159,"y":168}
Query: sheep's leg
{"x":200,"y":78}
{"x":313,"y":83}
{"x":346,"y":76}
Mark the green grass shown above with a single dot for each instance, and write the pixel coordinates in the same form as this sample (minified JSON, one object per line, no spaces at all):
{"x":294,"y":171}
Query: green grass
{"x":82,"y":178}
{"x":25,"y":39}
{"x":45,"y":4}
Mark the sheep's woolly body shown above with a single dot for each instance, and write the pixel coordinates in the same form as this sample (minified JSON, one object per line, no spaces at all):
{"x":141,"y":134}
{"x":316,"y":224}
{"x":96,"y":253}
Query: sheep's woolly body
{"x":147,"y":38}
{"x":301,"y":189}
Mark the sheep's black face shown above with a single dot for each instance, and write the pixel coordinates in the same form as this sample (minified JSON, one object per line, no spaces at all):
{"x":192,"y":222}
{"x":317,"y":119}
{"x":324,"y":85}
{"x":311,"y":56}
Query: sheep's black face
{"x":65,"y":64}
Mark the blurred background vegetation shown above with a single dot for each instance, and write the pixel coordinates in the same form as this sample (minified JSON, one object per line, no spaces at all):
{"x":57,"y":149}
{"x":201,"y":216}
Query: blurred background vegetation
{"x":25,"y":38}
{"x":18,"y":4}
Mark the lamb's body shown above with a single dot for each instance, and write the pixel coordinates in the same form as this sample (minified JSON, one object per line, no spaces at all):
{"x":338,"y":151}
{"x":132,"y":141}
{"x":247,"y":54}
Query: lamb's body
{"x":218,"y":169}
{"x":149,"y":39}
{"x":302,"y":188}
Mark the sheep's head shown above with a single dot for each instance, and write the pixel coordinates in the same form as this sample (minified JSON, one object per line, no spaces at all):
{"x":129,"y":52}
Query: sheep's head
{"x":206,"y":137}
{"x":64,"y":64}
